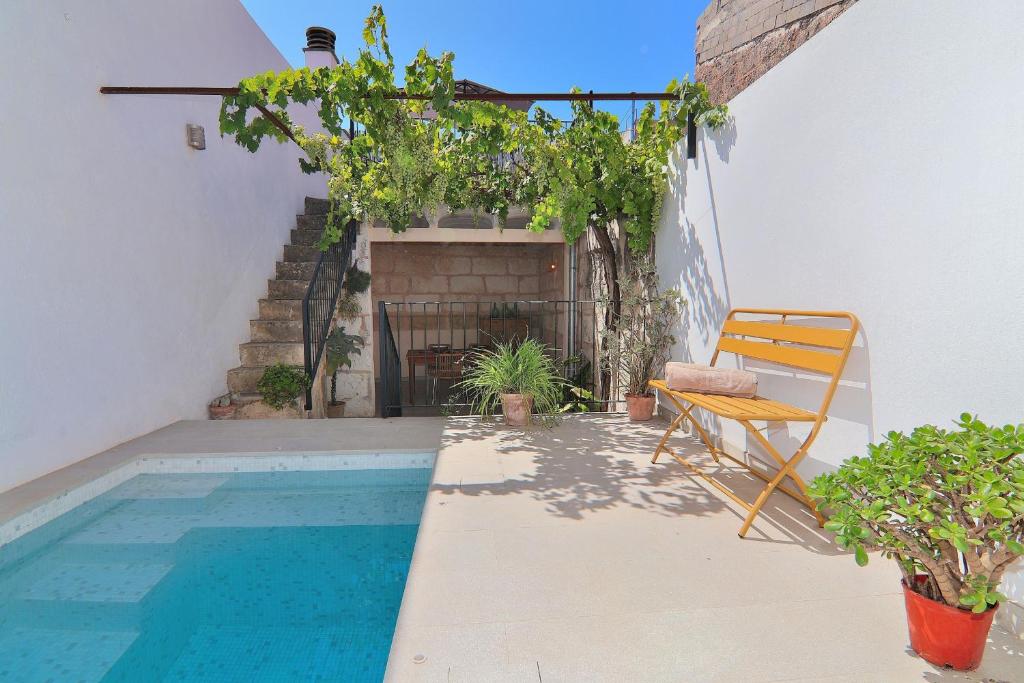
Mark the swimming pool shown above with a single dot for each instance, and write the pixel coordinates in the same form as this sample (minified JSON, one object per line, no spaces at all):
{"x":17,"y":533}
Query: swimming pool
{"x":260,"y":576}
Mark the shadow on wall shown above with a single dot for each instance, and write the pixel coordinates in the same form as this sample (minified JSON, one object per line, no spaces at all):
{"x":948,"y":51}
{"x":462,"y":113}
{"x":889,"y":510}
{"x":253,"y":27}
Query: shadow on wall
{"x":689,"y":223}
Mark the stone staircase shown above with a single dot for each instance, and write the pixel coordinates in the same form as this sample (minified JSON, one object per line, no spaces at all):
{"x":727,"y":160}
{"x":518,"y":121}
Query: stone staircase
{"x":276,"y":335}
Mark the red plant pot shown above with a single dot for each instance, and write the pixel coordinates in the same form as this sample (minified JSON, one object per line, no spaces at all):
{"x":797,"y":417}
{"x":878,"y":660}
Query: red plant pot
{"x":944,"y":635}
{"x":639,"y":407}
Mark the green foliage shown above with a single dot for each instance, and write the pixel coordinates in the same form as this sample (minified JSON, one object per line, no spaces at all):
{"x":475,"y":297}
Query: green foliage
{"x":576,"y":397}
{"x":340,"y":349}
{"x":356,"y":281}
{"x":638,"y":345}
{"x":281,"y":384}
{"x":349,"y":307}
{"x":527,"y":368}
{"x":477,"y":155}
{"x":948,"y":504}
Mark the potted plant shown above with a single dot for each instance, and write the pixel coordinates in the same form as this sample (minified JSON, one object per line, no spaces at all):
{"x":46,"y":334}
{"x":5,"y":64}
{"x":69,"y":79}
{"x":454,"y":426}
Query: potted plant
{"x":948,"y":506}
{"x":340,"y":348}
{"x":281,"y":384}
{"x":520,"y":378}
{"x":638,"y":344}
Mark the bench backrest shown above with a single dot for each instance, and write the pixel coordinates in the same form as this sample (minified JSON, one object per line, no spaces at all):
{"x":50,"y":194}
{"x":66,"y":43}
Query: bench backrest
{"x":777,"y":337}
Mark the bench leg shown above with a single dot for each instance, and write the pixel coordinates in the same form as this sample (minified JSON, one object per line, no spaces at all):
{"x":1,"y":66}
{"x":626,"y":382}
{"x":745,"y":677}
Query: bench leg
{"x":685,"y":413}
{"x":787,"y":468}
{"x":668,"y":432}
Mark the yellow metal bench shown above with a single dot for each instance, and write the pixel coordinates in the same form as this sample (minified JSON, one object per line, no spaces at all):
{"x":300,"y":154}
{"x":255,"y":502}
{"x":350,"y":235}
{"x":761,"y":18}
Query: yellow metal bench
{"x":772,"y":337}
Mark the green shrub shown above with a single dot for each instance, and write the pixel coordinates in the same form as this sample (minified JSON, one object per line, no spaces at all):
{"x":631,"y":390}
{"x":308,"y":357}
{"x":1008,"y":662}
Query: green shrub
{"x":356,"y":281}
{"x":281,"y":384}
{"x":526,"y":368}
{"x":639,"y":344}
{"x":946,"y":504}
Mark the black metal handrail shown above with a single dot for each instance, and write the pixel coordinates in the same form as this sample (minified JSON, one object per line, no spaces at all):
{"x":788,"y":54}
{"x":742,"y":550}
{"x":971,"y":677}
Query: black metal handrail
{"x":390,"y":366}
{"x":321,"y":298}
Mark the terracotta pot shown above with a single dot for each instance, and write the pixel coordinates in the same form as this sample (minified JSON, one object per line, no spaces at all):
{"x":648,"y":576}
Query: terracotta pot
{"x":944,"y":635}
{"x":222,"y":412}
{"x":517,"y":409}
{"x":639,"y":407}
{"x":335,"y":409}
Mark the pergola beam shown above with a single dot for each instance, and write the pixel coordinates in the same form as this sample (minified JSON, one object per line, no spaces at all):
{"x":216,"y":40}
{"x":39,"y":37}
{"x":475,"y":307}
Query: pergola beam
{"x":691,"y":127}
{"x":402,"y":95}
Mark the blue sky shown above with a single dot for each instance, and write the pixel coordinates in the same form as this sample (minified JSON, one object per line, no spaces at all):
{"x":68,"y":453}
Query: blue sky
{"x":513,"y":45}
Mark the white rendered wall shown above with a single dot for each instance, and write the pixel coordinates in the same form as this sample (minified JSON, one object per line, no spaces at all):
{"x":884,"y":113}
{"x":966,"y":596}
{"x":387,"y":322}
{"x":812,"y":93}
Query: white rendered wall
{"x":878,"y":169}
{"x":130,"y":264}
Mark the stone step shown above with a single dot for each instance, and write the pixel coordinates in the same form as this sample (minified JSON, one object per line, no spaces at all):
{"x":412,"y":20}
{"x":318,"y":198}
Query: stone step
{"x":276,"y":330}
{"x":295,"y":253}
{"x":306,"y":238}
{"x":315,"y":221}
{"x":287,"y":289}
{"x":243,"y":379}
{"x":280,"y":309}
{"x":315,"y":205}
{"x":291,"y":270}
{"x":268,"y":353}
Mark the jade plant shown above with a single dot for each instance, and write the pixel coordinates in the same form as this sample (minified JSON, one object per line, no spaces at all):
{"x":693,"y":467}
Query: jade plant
{"x":947,"y":505}
{"x":281,"y":384}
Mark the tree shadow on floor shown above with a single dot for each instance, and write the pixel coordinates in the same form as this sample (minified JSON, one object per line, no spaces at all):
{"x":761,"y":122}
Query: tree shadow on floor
{"x":596,"y":462}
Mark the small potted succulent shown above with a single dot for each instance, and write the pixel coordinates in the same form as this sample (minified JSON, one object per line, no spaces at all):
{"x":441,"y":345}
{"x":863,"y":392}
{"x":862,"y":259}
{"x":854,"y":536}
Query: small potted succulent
{"x":520,"y":378}
{"x":948,"y":506}
{"x":339,"y":351}
{"x":638,"y":345}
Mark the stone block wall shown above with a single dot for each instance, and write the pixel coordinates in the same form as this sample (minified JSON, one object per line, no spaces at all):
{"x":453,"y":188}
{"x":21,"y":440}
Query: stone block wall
{"x":462,"y":272}
{"x":738,"y":41}
{"x":424,"y":271}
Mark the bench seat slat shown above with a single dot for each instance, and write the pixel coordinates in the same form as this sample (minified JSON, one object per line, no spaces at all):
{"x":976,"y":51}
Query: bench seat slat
{"x":736,"y":408}
{"x":806,"y":359}
{"x":800,"y":334}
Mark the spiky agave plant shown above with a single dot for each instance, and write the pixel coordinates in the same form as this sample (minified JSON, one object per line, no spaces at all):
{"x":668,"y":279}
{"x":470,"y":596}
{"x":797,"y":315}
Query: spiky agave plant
{"x":526,"y":368}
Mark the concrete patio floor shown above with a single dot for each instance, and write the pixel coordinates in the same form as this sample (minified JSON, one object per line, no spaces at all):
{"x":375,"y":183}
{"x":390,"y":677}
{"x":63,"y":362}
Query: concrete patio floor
{"x":565,"y":555}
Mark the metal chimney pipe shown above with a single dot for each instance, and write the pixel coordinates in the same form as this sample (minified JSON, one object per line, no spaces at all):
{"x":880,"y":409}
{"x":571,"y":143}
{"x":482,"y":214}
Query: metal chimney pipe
{"x":319,"y":50}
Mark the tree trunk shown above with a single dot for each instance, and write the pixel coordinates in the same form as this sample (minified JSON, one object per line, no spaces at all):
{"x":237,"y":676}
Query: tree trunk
{"x":606,"y":249}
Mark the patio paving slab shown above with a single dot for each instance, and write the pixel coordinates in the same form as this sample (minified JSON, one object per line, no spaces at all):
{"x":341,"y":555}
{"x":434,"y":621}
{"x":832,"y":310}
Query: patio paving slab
{"x":565,"y":555}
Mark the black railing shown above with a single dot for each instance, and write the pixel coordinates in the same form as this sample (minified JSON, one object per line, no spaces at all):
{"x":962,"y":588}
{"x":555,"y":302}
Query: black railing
{"x":321,"y":298}
{"x":390,"y":367}
{"x":422,"y":346}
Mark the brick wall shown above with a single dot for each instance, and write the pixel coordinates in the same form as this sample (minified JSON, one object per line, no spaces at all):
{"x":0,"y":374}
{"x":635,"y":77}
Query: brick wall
{"x":738,"y":41}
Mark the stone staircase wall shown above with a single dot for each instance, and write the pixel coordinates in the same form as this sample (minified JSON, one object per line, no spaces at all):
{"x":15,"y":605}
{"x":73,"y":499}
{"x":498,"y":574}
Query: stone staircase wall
{"x":276,"y":335}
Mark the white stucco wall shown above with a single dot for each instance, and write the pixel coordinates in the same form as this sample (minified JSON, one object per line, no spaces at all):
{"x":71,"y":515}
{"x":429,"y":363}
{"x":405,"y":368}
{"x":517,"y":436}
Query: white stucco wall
{"x":877,"y":169}
{"x":130,"y":264}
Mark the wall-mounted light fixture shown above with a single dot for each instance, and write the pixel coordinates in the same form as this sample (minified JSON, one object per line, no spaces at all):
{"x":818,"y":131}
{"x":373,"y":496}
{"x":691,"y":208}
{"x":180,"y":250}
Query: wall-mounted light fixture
{"x":553,"y":266}
{"x":195,"y":136}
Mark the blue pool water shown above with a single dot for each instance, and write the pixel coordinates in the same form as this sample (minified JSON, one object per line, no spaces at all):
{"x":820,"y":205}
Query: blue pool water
{"x":281,"y":576}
